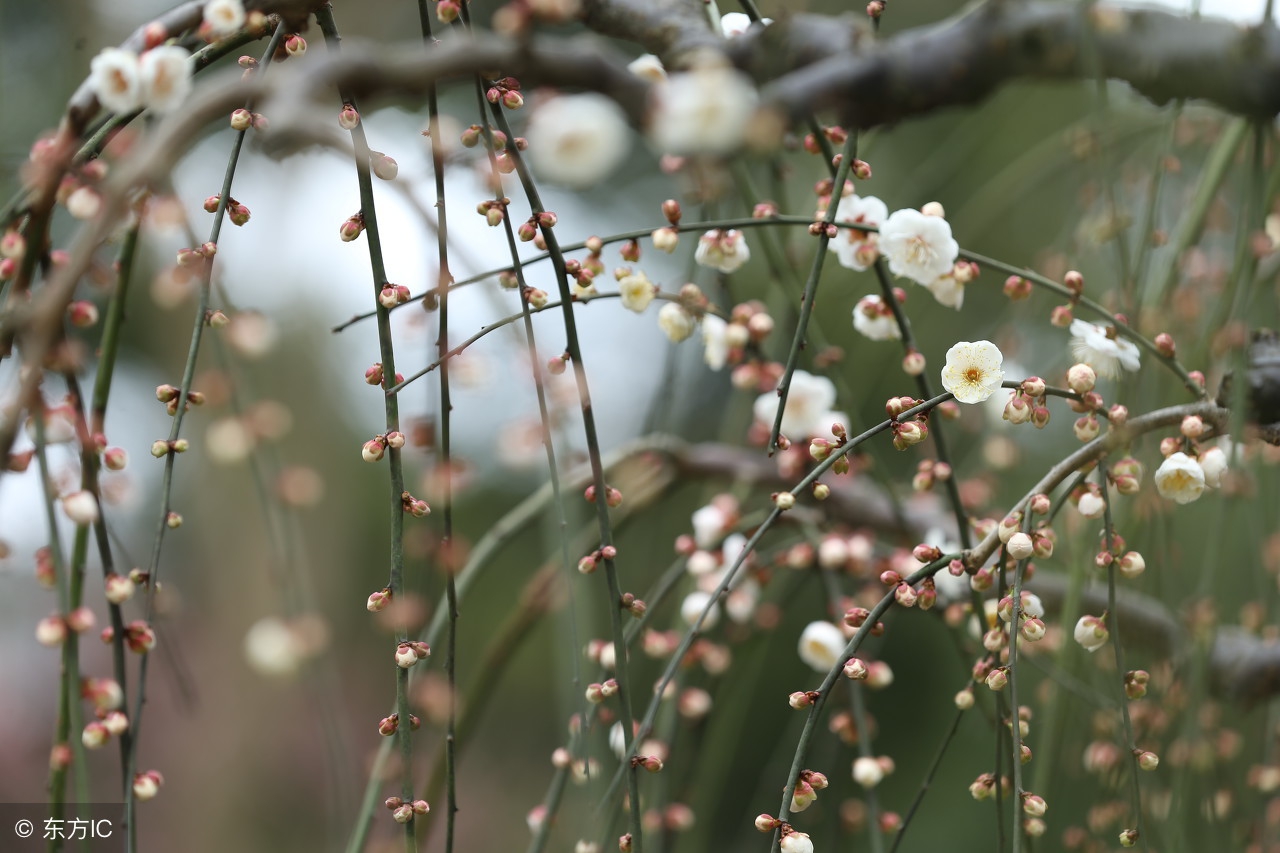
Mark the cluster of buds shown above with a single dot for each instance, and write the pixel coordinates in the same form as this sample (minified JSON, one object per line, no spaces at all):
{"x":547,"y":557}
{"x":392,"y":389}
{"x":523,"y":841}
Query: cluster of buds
{"x":494,"y":210}
{"x":161,"y":448}
{"x":635,"y":606}
{"x":1062,"y":315}
{"x":388,"y":726}
{"x":802,"y":699}
{"x":202,"y":254}
{"x":591,"y":562}
{"x":393,"y":295}
{"x":856,"y":617}
{"x":404,"y":812}
{"x":409,"y":653}
{"x":928,"y":473}
{"x":416,"y":507}
{"x":505,"y":91}
{"x":374,"y":448}
{"x":169,"y":395}
{"x":834,"y":134}
{"x":242,"y":120}
{"x":581,"y":276}
{"x":1028,"y":404}
{"x":612,"y":497}
{"x":529,"y":230}
{"x":906,"y":433}
{"x":139,"y":636}
{"x":236,"y":212}
{"x":598,"y":692}
{"x":805,"y":793}
{"x":374,"y":375}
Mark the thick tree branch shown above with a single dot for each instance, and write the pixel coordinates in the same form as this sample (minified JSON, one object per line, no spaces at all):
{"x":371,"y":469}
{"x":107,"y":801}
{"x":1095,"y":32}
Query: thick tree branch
{"x":964,"y":60}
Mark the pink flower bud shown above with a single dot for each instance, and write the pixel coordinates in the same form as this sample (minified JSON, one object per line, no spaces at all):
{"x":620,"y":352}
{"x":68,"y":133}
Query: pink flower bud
{"x":147,"y":785}
{"x":1074,"y":282}
{"x":348,"y":118}
{"x":241,"y":120}
{"x":295,"y":45}
{"x":378,"y":600}
{"x":119,"y":589}
{"x":139,"y":637}
{"x":1061,"y":316}
{"x":1017,"y":288}
{"x":51,"y":631}
{"x":351,"y":228}
{"x":1081,"y":378}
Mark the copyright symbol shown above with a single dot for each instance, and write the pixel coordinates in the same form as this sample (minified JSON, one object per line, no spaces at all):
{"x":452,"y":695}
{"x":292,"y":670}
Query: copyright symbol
{"x":24,"y":828}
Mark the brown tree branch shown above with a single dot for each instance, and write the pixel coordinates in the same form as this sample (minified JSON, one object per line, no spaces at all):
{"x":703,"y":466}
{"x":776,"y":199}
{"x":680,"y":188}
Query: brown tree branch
{"x":1163,"y":56}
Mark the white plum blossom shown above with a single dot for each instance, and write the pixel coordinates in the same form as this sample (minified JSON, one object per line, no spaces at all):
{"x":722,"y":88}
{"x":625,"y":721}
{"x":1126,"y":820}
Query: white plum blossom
{"x":873,"y":318}
{"x":1100,"y":348}
{"x":81,"y":507}
{"x":972,"y":372}
{"x":224,"y":17}
{"x":808,"y":410}
{"x":796,"y":842}
{"x":948,"y":290}
{"x":722,"y":250}
{"x":706,"y":111}
{"x":272,"y":648}
{"x":618,"y":739}
{"x":1091,"y":505}
{"x":648,"y":67}
{"x":733,"y":24}
{"x":1180,"y":478}
{"x":740,"y":603}
{"x":715,"y":343}
{"x":693,"y":605}
{"x":1091,"y":633}
{"x":822,"y":646}
{"x":917,"y":246}
{"x":676,"y":323}
{"x":709,"y":525}
{"x":116,"y":80}
{"x":850,"y":243}
{"x":867,"y":772}
{"x":1213,"y":462}
{"x":165,"y":73}
{"x":578,"y":140}
{"x":636,"y":291}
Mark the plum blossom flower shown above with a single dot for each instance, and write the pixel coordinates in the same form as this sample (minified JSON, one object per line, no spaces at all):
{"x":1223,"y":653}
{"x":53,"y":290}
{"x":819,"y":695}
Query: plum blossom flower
{"x":676,"y":323}
{"x":578,"y":140}
{"x":702,"y":112}
{"x":1091,"y":632}
{"x":648,"y":67}
{"x":822,"y":645}
{"x":808,"y":411}
{"x":224,"y":17}
{"x":636,"y":292}
{"x":715,"y":343}
{"x":693,"y":605}
{"x":733,"y":24}
{"x":1213,"y":462}
{"x":1100,"y":348}
{"x":796,"y":842}
{"x":917,"y":246}
{"x":873,"y":318}
{"x":948,"y":290}
{"x":115,"y":79}
{"x":972,"y":371}
{"x":709,"y":525}
{"x":722,"y":250}
{"x":1180,"y":478}
{"x":851,"y":245}
{"x":165,"y":74}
